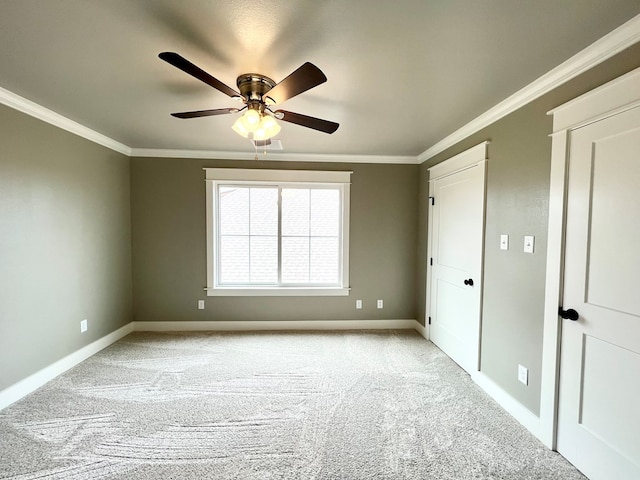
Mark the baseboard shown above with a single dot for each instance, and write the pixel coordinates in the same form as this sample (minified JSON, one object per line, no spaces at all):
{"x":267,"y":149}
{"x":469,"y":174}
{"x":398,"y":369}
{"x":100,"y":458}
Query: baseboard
{"x":421,"y":329}
{"x":518,"y":411}
{"x":276,"y":325}
{"x":24,"y":387}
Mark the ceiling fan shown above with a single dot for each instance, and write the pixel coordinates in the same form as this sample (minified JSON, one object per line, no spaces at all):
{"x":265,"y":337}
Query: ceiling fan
{"x":258,"y":93}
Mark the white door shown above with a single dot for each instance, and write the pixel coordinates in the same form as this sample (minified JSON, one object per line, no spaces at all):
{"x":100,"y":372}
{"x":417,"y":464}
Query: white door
{"x":599,"y":403}
{"x":457,"y":226}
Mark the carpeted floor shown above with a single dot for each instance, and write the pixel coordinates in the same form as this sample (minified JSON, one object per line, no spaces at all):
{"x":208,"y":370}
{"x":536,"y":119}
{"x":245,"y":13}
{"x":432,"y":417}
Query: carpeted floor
{"x":343,"y":405}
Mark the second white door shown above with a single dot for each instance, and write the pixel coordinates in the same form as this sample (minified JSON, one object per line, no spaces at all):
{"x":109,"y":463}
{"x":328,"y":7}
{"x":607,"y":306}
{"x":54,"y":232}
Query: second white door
{"x":457,"y":226}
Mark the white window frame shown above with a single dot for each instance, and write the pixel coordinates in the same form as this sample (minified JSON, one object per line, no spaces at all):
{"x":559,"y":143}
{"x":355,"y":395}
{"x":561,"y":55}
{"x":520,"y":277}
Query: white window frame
{"x":286,"y":178}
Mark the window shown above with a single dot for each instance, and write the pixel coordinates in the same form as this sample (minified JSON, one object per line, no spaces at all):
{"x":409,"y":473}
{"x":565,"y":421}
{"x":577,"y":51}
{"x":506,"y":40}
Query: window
{"x":277,"y":232}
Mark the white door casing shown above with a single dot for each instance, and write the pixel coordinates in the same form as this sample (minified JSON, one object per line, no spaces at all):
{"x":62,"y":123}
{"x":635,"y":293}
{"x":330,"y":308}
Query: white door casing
{"x":595,"y":176}
{"x":455,"y":250}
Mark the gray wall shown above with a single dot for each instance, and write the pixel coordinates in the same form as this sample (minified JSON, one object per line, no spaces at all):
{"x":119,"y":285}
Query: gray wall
{"x":65,"y":243}
{"x":169,"y":248}
{"x":517,"y":204}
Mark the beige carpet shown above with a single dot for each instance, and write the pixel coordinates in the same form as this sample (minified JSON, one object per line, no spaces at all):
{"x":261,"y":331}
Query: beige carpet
{"x":344,"y":405}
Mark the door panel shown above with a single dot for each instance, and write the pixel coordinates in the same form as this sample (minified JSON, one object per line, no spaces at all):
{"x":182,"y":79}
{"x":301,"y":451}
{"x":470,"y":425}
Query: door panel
{"x":606,"y":366}
{"x":455,"y":195}
{"x":599,"y":418}
{"x":456,"y":243}
{"x":613,"y":199}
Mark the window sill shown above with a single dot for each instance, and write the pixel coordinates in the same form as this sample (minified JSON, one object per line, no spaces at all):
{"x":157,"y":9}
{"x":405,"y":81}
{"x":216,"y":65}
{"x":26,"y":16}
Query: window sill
{"x":277,"y":292}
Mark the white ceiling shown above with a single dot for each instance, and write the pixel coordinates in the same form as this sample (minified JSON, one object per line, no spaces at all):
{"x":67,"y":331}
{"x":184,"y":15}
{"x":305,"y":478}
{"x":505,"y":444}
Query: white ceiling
{"x":402,"y":74}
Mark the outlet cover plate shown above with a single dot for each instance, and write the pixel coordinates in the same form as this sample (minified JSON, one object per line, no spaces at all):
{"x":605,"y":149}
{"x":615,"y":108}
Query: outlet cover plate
{"x":380,"y":304}
{"x":83,"y":325}
{"x":358,"y":304}
{"x":523,"y":374}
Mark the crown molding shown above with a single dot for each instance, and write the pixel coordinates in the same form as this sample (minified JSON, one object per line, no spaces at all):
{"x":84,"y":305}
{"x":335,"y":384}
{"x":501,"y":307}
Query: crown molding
{"x":614,"y":42}
{"x":271,"y":156}
{"x":33,"y":109}
{"x":23,"y":105}
{"x":618,"y":40}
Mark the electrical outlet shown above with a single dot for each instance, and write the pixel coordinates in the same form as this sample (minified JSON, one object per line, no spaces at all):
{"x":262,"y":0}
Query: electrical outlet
{"x":380,"y":304}
{"x":523,"y":374}
{"x":358,"y":304}
{"x":83,"y":326}
{"x":200,"y":304}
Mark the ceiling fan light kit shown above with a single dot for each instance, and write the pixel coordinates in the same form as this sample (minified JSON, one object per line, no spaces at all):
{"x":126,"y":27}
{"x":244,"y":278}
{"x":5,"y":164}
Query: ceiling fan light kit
{"x":256,"y":126}
{"x":258,"y":93}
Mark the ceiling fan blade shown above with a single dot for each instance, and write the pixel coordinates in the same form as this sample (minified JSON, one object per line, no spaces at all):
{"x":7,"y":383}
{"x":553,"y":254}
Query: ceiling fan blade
{"x":195,"y":71}
{"x":205,"y":113}
{"x":301,"y":80}
{"x":310,"y":122}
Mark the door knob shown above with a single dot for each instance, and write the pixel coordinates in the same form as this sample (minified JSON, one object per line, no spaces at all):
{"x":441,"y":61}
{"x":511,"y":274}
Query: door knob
{"x":469,"y":282}
{"x":570,"y":314}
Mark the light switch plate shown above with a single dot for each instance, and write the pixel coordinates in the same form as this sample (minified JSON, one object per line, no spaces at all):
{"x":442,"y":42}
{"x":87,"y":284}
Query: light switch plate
{"x":200,"y":304}
{"x":358,"y":304}
{"x":529,"y":242}
{"x":504,"y":242}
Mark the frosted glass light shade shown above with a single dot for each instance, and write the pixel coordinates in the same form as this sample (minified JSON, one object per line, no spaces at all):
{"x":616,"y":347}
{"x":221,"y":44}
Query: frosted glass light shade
{"x":251,"y":120}
{"x":265,"y":128}
{"x":248,"y":123}
{"x":268,"y":128}
{"x":239,"y":128}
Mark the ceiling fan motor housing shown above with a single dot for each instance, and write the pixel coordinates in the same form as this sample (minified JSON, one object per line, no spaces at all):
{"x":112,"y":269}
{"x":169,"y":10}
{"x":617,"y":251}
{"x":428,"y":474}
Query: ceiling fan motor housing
{"x":254,"y":86}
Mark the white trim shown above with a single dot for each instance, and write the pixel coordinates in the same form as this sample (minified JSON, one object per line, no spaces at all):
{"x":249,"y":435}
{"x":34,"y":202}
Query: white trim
{"x":345,"y":231}
{"x":422,"y":330}
{"x":616,"y":41}
{"x":275,"y":325}
{"x":511,"y":405}
{"x":210,"y":222}
{"x":429,"y":267}
{"x":35,"y":110}
{"x":23,"y":105}
{"x":553,"y":286}
{"x":24,"y":387}
{"x":596,"y":104}
{"x":277,"y":292}
{"x":279,"y":157}
{"x":282,"y":176}
{"x":462,"y":161}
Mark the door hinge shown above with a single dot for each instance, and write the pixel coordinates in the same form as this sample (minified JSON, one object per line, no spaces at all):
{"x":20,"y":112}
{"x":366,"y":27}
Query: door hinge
{"x":433,"y":200}
{"x":431,"y":261}
{"x":429,"y":320}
